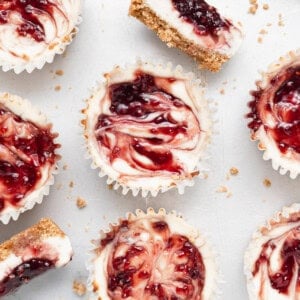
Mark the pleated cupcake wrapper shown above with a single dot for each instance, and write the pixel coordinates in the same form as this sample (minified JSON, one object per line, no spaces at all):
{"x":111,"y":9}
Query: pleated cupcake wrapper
{"x":26,"y":110}
{"x":254,"y":246}
{"x":162,"y":69}
{"x":199,"y":240}
{"x":280,"y":162}
{"x":49,"y":55}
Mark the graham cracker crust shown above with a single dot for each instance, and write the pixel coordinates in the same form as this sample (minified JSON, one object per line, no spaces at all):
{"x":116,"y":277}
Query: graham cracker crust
{"x":205,"y":58}
{"x":33,"y":235}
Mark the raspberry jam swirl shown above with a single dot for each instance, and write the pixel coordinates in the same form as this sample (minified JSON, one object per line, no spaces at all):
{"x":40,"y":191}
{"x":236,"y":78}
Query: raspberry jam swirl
{"x":276,"y":109}
{"x":145,"y":128}
{"x":277,"y":269}
{"x":204,"y":17}
{"x":26,"y":154}
{"x":145,"y":260}
{"x":29,"y":27}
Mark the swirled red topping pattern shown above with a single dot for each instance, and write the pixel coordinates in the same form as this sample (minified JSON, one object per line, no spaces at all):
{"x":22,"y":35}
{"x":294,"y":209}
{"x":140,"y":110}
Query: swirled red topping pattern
{"x":24,"y":150}
{"x":204,"y":17}
{"x":146,"y":260}
{"x":144,"y":122}
{"x":288,"y":261}
{"x":30,"y":12}
{"x":277,"y":109}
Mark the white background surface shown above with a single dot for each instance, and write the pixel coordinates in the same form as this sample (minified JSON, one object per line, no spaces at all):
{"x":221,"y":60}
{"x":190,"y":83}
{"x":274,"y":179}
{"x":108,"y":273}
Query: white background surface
{"x":109,"y":37}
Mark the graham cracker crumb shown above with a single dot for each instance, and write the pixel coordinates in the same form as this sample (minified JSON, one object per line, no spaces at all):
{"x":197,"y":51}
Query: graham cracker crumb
{"x":79,"y":288}
{"x":260,"y":40}
{"x":110,"y":186}
{"x":280,"y":20}
{"x":222,"y":91}
{"x":59,"y":72}
{"x":265,"y":6}
{"x":57,"y":88}
{"x":267,"y":183}
{"x":65,"y":167}
{"x":253,"y":7}
{"x":263,"y":31}
{"x":81,"y":203}
{"x":71,"y":184}
{"x":234,"y":171}
{"x":222,"y":189}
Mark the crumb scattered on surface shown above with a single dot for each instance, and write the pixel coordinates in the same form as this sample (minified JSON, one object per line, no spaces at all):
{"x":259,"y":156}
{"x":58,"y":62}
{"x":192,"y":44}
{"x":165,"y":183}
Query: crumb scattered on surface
{"x":59,"y":72}
{"x":253,"y":7}
{"x":222,"y":91}
{"x":266,"y":6}
{"x":59,"y":186}
{"x":222,"y":189}
{"x":65,"y":167}
{"x":229,"y":195}
{"x":263,"y":31}
{"x":267,"y":182}
{"x":57,"y":88}
{"x":81,"y":203}
{"x":260,"y":40}
{"x":71,"y":184}
{"x":234,"y":171}
{"x":79,"y":288}
{"x":280,"y":20}
{"x":110,"y":186}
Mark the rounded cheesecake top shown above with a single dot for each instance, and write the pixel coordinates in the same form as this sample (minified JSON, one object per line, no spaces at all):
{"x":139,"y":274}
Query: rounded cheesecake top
{"x":27,"y":152}
{"x":153,"y":256}
{"x":275,"y":113}
{"x":147,"y":129}
{"x":272,"y":260}
{"x":31,"y":30}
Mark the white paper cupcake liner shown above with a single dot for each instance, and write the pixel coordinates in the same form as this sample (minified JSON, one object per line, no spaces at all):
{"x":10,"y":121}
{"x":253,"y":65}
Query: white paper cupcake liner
{"x":57,"y":46}
{"x":204,"y":115}
{"x":208,"y":253}
{"x":259,"y":238}
{"x":27,"y":111}
{"x":282,"y":162}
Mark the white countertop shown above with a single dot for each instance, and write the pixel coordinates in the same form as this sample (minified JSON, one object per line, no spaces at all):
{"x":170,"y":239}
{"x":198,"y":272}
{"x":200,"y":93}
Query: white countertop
{"x":107,"y":37}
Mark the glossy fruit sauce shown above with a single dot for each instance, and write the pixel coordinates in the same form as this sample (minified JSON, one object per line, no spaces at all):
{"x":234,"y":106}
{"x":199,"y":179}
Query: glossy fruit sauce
{"x":24,"y":150}
{"x":281,"y":100}
{"x":155,"y":263}
{"x":30,"y":13}
{"x":141,"y":119}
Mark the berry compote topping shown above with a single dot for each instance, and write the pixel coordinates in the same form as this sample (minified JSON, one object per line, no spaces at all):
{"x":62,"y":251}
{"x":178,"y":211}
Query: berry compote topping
{"x":147,"y":261}
{"x":24,"y":150}
{"x":23,"y":273}
{"x":147,"y":124}
{"x":280,"y":102}
{"x":30,"y":12}
{"x":204,"y":17}
{"x":282,"y":277}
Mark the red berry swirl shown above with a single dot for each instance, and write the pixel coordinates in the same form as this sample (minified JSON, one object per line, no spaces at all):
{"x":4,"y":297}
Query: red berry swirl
{"x":204,"y":17}
{"x":147,"y":261}
{"x":278,"y":263}
{"x":29,"y":21}
{"x":25,"y":150}
{"x":146,"y":126}
{"x":276,"y":109}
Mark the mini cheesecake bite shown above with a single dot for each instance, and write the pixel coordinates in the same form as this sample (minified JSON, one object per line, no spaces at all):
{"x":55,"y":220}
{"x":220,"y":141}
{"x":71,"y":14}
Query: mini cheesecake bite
{"x":275,"y":114}
{"x":27,"y":156}
{"x":31,"y":253}
{"x":153,"y":256}
{"x":194,"y":26}
{"x":272,"y":259}
{"x":147,"y":128}
{"x":33,"y":31}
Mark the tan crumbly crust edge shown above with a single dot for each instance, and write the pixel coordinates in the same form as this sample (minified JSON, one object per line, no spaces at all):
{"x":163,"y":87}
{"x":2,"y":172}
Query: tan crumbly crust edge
{"x":43,"y":229}
{"x":207,"y":59}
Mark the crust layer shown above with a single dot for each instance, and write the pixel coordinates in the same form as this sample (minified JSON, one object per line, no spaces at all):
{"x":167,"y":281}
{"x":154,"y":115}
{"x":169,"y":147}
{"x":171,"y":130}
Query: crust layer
{"x":205,"y":58}
{"x":43,"y":229}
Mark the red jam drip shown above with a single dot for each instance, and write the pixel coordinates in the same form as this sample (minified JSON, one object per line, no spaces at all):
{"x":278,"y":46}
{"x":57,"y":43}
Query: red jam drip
{"x":284,"y":105}
{"x":132,"y":103}
{"x":30,"y":11}
{"x":204,"y":17}
{"x":137,"y":267}
{"x":20,"y":174}
{"x":23,"y":274}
